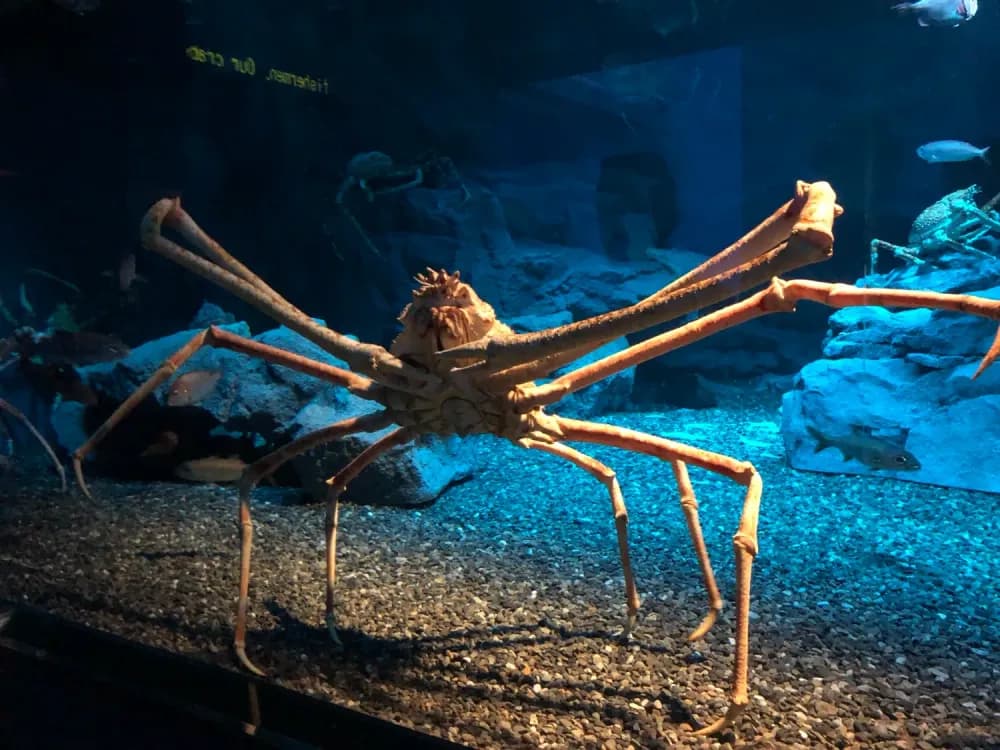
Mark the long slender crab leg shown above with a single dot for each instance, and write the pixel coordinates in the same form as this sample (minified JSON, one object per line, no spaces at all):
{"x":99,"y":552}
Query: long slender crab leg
{"x":780,"y":296}
{"x":264,"y":467}
{"x":688,"y":504}
{"x":337,"y":484}
{"x":768,"y":234}
{"x":218,"y":337}
{"x":19,"y":415}
{"x":605,"y":476}
{"x":810,"y":240}
{"x":236,"y":278}
{"x":744,"y":540}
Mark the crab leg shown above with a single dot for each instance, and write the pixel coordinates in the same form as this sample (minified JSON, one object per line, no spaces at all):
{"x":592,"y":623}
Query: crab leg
{"x":19,"y":415}
{"x":810,"y":240}
{"x":689,"y":504}
{"x":780,"y":296}
{"x":744,"y":540}
{"x":218,"y":337}
{"x":236,"y":278}
{"x":605,"y":476}
{"x":337,"y":484}
{"x":264,"y":467}
{"x":768,"y":234}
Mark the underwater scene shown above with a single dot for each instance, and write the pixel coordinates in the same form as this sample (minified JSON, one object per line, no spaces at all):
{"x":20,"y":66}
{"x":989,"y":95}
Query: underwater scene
{"x":591,"y":374}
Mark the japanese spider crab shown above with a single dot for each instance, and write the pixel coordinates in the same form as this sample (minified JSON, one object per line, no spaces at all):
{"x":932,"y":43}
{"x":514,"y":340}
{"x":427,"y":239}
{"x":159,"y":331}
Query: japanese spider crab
{"x":456,"y":369}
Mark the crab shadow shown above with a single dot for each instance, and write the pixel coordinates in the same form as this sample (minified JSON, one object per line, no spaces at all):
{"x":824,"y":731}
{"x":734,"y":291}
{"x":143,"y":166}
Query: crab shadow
{"x":378,"y":667}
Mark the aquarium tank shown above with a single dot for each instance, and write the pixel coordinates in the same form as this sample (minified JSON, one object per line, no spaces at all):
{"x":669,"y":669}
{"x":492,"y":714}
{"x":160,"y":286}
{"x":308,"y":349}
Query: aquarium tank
{"x":578,"y":374}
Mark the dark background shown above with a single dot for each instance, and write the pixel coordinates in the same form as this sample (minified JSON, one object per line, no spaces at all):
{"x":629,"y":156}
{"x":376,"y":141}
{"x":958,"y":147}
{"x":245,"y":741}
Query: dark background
{"x":102,"y":114}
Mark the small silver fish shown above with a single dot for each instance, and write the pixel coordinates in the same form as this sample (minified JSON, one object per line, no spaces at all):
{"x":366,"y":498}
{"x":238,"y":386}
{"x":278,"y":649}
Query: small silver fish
{"x":941,"y":151}
{"x":940,"y":12}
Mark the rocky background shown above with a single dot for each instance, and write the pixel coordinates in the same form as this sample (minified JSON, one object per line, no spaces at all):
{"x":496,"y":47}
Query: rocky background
{"x":651,"y":132}
{"x":567,"y":172}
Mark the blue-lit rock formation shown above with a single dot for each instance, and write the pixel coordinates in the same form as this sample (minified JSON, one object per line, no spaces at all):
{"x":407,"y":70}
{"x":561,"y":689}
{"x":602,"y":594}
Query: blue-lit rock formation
{"x":273,"y":404}
{"x":908,"y":370}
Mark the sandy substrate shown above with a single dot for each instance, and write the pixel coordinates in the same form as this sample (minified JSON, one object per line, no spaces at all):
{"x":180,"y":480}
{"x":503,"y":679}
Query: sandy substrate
{"x":490,"y":618}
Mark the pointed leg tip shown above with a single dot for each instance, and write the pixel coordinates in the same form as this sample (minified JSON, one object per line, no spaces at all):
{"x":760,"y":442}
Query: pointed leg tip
{"x":699,"y":632}
{"x":989,"y":358}
{"x":628,"y":627}
{"x":331,"y":628}
{"x":241,"y":655}
{"x":723,"y":723}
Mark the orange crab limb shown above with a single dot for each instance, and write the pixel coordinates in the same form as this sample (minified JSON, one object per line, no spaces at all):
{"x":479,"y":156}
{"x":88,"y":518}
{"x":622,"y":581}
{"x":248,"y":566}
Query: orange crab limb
{"x":337,"y":484}
{"x":264,"y":467}
{"x":744,"y":540}
{"x":809,"y":240}
{"x":223,"y":269}
{"x":780,"y":296}
{"x":19,"y":415}
{"x":219,"y":337}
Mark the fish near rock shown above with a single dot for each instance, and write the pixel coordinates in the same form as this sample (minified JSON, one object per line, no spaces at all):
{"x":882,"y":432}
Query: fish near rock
{"x":951,"y":151}
{"x":70,"y":347}
{"x":875,"y":452}
{"x":164,"y":444}
{"x":193,"y":387}
{"x":940,"y":12}
{"x":213,"y":469}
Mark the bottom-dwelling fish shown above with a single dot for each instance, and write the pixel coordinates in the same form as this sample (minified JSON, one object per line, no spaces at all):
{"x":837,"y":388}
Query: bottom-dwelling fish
{"x":164,"y":444}
{"x":212,"y":469}
{"x":874,"y":452}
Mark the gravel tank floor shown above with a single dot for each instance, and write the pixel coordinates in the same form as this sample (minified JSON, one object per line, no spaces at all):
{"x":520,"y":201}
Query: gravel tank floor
{"x":490,"y":617}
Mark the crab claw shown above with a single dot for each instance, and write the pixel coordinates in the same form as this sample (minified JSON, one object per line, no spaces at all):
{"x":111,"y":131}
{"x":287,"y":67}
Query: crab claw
{"x":990,"y":357}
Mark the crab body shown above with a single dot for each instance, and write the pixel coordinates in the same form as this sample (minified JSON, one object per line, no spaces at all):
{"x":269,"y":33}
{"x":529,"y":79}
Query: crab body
{"x":456,"y":369}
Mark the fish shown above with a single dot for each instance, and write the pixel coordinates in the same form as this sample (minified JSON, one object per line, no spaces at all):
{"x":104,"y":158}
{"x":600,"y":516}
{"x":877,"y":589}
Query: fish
{"x":941,"y":151}
{"x":164,"y":444}
{"x":70,"y":347}
{"x":125,"y":274}
{"x":80,"y":7}
{"x":192,"y":387}
{"x":214,"y":469}
{"x":940,"y":12}
{"x":59,"y":378}
{"x":874,"y":452}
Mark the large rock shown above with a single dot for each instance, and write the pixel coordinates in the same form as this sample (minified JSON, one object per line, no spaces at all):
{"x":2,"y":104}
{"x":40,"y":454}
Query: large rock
{"x":273,"y":403}
{"x":893,"y":372}
{"x":410,"y":475}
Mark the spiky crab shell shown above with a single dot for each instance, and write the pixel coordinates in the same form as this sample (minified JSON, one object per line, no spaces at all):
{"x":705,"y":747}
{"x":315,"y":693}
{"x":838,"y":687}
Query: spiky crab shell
{"x":445,"y":312}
